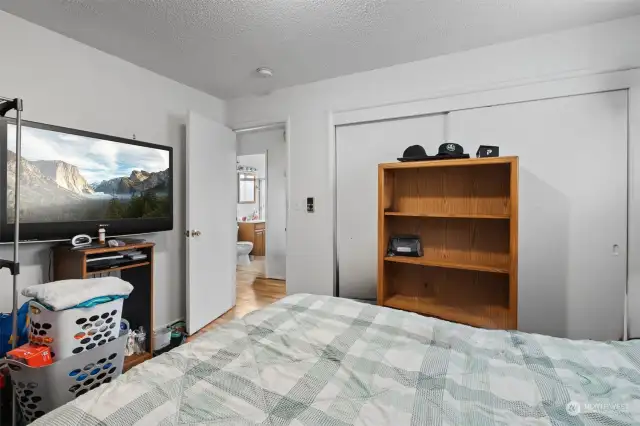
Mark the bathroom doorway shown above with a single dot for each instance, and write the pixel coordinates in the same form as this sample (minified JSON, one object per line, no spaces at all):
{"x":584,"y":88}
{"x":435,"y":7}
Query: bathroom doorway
{"x":262,"y":201}
{"x":251,"y":212}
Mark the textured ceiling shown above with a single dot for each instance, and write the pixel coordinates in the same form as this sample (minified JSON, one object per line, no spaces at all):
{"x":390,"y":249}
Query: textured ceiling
{"x":215,"y":45}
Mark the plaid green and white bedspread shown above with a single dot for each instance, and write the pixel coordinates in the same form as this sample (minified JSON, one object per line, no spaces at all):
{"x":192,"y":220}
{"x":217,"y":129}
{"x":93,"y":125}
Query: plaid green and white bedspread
{"x":314,"y":360}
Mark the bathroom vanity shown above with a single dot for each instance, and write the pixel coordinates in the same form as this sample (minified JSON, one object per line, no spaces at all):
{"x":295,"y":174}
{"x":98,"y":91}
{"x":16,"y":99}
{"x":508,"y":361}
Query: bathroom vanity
{"x":253,"y":231}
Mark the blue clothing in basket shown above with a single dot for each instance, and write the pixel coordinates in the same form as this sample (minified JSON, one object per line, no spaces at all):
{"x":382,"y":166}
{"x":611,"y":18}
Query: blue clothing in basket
{"x":6,"y":325}
{"x":88,"y":303}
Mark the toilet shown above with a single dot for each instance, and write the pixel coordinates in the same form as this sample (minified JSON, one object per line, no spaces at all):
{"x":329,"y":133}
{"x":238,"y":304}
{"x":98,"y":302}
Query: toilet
{"x":243,"y":249}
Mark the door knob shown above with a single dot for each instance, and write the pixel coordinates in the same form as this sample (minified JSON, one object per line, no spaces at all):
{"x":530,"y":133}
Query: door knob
{"x":195,"y":233}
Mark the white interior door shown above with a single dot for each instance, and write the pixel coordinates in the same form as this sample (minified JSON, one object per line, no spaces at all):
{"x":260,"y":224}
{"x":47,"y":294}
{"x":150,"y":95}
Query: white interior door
{"x":211,"y":220}
{"x":573,"y":207}
{"x":359,"y":150}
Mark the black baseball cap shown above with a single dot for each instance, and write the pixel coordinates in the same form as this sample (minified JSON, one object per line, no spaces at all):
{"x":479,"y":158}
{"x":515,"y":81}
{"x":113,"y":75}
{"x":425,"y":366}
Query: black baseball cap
{"x":449,"y":150}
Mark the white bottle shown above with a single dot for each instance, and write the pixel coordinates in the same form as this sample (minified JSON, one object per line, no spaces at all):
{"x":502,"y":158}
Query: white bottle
{"x":101,"y":235}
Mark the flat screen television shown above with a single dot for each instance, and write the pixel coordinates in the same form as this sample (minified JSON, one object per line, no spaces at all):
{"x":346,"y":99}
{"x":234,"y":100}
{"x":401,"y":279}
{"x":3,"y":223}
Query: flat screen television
{"x":74,"y":182}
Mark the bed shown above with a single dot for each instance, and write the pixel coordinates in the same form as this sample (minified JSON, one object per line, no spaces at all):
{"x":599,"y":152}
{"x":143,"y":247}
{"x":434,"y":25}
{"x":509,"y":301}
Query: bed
{"x":315,"y":360}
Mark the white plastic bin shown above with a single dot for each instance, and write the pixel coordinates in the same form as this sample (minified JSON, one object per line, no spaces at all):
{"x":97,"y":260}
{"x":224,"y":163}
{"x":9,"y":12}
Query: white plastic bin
{"x":41,"y":390}
{"x":73,"y":331}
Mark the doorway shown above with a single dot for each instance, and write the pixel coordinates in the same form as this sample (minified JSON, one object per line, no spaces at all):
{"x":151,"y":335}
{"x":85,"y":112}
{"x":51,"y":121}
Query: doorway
{"x":251,"y":213}
{"x":262,"y":212}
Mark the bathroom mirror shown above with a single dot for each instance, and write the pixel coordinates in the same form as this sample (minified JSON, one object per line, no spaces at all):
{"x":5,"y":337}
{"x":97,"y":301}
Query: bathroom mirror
{"x":246,"y":188}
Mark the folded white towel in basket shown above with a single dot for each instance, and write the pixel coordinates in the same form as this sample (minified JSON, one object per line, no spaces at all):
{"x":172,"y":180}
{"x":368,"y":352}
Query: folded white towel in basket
{"x":66,"y":294}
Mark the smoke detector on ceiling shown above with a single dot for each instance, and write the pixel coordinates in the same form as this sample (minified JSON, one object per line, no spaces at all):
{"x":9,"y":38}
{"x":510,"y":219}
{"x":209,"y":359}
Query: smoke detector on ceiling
{"x":265,"y":72}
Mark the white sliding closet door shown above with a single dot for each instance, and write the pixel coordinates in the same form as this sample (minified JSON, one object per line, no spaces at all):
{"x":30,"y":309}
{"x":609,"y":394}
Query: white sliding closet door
{"x":359,"y":150}
{"x":573,"y":207}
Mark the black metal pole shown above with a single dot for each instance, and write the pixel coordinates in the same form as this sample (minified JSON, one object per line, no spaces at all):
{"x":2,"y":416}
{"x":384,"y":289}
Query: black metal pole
{"x":5,"y":106}
{"x":16,"y":232}
{"x":16,"y":240}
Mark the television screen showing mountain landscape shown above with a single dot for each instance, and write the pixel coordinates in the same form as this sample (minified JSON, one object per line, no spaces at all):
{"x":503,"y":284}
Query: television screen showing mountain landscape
{"x":66,"y":178}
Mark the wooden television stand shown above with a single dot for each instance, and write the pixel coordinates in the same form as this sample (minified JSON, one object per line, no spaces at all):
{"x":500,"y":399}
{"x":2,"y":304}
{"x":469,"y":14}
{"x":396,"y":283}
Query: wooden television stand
{"x":138,"y":307}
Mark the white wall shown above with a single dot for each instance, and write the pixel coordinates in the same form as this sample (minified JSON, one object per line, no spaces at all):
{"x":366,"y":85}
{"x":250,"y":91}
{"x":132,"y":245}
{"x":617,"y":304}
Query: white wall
{"x":359,"y":150}
{"x":259,"y":162}
{"x":595,"y":49}
{"x":66,"y":83}
{"x":273,"y":143}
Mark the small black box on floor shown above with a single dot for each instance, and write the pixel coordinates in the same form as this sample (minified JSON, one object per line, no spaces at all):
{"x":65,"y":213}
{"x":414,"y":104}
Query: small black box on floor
{"x":488,"y":151}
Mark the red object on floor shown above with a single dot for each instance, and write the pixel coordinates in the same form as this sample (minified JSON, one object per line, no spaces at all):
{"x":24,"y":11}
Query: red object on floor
{"x":32,"y":355}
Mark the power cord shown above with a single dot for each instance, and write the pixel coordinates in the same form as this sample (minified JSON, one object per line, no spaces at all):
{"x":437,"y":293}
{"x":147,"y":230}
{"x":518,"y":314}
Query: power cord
{"x":50,"y":262}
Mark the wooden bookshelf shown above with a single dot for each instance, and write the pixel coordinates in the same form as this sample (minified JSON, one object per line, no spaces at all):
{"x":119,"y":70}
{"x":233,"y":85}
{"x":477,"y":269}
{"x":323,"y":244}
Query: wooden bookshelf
{"x":425,"y":261}
{"x":466,"y":215}
{"x":452,"y":215}
{"x":427,"y":306}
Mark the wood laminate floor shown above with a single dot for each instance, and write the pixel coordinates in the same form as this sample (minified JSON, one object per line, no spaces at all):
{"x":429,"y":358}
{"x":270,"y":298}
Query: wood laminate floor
{"x":257,"y":266}
{"x":253,"y":291}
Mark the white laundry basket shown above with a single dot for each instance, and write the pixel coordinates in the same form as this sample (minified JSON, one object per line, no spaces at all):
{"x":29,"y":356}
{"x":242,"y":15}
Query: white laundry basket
{"x":43,"y":389}
{"x":73,"y":331}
